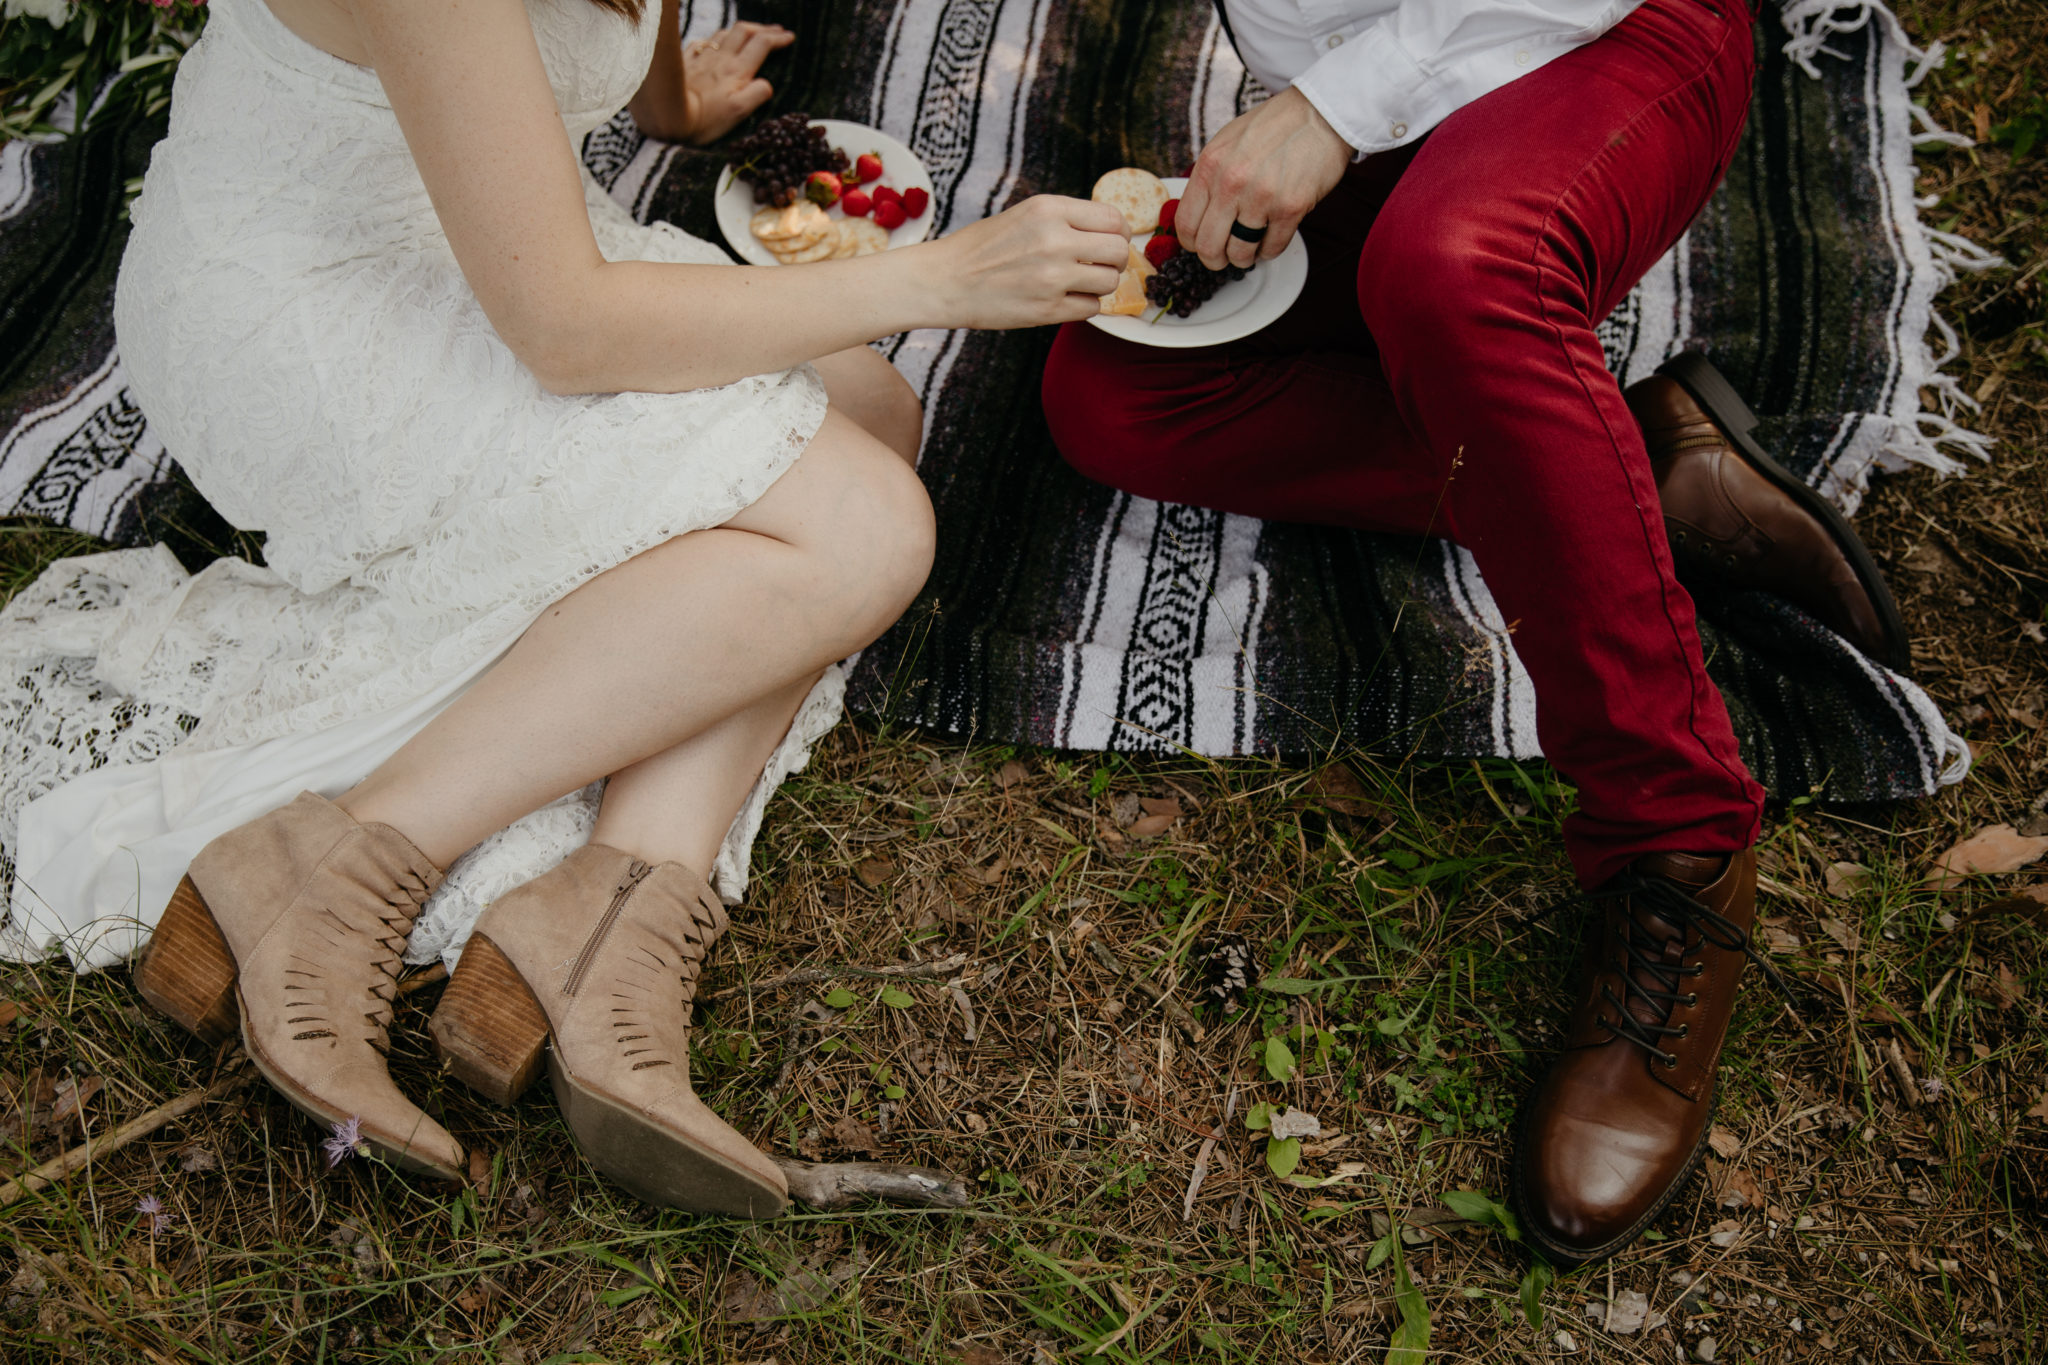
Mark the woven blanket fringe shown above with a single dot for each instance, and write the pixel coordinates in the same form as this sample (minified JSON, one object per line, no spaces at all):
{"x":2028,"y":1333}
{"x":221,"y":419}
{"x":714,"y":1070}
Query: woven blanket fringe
{"x":1927,"y":438}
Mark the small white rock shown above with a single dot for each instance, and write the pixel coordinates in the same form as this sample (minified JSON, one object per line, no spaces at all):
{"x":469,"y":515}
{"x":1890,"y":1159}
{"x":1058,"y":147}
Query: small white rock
{"x":1627,"y":1312}
{"x":1565,"y":1341}
{"x":1703,"y":1349}
{"x":1295,"y":1123}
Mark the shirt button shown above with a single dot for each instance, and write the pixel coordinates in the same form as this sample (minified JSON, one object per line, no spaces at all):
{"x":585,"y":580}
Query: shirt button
{"x":1400,"y":130}
{"x":1335,"y":40}
{"x":1522,"y":57}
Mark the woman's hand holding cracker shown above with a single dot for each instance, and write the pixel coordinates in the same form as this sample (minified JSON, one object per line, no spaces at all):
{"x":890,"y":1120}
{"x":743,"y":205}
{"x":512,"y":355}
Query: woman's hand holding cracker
{"x":1046,"y":260}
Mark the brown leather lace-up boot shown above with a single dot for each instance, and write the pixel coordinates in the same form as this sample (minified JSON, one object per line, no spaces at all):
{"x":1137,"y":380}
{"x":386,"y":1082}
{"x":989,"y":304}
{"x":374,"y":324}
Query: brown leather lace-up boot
{"x":1619,"y":1122}
{"x":1736,"y":516}
{"x":294,"y":924}
{"x":603,"y":953}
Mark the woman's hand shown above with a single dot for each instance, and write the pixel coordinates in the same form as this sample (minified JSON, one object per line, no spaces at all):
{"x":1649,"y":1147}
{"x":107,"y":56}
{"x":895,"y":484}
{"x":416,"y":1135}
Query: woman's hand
{"x":1048,"y":259}
{"x":1266,"y":169}
{"x":698,"y":93}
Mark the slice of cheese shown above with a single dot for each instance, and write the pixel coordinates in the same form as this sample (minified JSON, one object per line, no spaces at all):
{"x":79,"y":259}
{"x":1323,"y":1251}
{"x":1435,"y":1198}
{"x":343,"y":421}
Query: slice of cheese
{"x":1129,"y":299}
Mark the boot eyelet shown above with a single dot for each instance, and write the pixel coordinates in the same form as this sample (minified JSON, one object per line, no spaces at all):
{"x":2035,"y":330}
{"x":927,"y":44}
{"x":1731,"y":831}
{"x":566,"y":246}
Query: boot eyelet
{"x":1678,"y":536}
{"x":1670,"y":1061}
{"x":1684,"y":1030}
{"x":1692,"y":1001}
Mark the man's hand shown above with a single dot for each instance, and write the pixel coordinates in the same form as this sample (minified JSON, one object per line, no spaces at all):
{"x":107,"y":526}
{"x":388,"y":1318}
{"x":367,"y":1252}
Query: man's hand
{"x":1266,"y":169}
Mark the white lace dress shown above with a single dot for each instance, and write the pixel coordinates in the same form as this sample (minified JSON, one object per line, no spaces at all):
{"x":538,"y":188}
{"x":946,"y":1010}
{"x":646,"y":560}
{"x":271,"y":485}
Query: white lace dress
{"x":297,"y":330}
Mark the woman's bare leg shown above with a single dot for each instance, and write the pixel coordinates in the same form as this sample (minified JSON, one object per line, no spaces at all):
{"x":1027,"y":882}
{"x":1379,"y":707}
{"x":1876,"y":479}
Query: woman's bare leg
{"x":679,"y":804}
{"x":667,"y":645}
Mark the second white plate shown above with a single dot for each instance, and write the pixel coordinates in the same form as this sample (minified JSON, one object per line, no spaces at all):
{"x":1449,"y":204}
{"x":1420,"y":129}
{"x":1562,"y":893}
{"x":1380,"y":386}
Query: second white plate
{"x":734,"y":205}
{"x":1237,"y":310}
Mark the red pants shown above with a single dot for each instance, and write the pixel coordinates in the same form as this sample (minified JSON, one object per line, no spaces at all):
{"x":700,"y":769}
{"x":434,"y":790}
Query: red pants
{"x":1440,"y":375}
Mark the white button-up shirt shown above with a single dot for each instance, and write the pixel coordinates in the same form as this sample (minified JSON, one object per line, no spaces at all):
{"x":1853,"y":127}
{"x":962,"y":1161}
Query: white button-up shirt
{"x":1384,"y":72}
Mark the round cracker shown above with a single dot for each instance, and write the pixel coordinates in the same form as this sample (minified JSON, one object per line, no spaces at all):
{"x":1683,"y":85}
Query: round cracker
{"x":815,"y":252}
{"x":866,"y":235}
{"x":802,"y":224}
{"x":1136,"y":194}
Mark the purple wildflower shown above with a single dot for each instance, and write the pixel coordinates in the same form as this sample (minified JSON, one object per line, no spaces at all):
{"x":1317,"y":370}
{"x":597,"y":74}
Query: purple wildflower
{"x":152,"y":1208}
{"x":1931,"y":1087}
{"x":346,"y":1141}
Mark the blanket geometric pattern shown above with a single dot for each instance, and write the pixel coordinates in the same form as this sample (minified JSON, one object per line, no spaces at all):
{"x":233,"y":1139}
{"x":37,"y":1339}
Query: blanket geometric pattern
{"x":1066,"y":614}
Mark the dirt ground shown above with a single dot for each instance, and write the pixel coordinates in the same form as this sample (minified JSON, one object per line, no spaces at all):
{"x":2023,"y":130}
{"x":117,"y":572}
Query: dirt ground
{"x":1017,"y":957}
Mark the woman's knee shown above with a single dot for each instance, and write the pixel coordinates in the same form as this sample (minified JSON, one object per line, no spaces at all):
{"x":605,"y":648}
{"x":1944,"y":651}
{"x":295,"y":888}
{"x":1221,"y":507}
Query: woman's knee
{"x":862,"y":384}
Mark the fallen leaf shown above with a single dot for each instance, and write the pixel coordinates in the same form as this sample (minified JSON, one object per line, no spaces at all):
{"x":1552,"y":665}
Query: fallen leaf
{"x":1843,"y":934}
{"x":196,"y":1158}
{"x":1150,"y":825}
{"x":73,"y":1094}
{"x":1724,"y":1143}
{"x":479,"y":1172}
{"x":2040,"y":1109}
{"x":1160,"y":805}
{"x":8,"y":1011}
{"x":470,"y":1300}
{"x":1724,"y":1233}
{"x":992,"y":873}
{"x":1780,"y":940}
{"x":855,"y":1136}
{"x":1734,"y":1187}
{"x":1010,"y":774}
{"x":874,"y":872}
{"x":1336,"y":788}
{"x":1844,"y":880}
{"x":1993,"y":849}
{"x":2011,"y":990}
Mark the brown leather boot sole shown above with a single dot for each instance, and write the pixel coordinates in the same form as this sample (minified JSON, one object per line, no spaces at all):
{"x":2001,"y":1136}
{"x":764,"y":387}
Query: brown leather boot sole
{"x":1569,"y":1257}
{"x":1717,"y":397}
{"x":492,"y":1034}
{"x":187,"y":973}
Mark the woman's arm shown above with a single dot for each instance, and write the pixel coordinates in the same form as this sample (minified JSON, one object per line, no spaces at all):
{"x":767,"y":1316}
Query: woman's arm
{"x":466,"y":81}
{"x":697,"y":95}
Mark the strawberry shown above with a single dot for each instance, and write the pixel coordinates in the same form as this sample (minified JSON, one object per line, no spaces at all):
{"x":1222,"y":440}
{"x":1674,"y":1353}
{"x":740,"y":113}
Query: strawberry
{"x":856,"y":203}
{"x":889,"y":213}
{"x":822,"y":189}
{"x":1166,"y":212}
{"x":916,"y":201}
{"x":887,"y":194}
{"x":867,"y":167}
{"x":1162,"y":249}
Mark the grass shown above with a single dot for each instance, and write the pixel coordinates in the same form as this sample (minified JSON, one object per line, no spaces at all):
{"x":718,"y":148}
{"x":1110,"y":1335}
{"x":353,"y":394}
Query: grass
{"x":1877,"y":1194}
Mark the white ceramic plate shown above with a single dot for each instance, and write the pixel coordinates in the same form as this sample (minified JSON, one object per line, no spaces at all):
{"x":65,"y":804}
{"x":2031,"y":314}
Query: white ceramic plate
{"x":1236,"y":310}
{"x":901,"y":170}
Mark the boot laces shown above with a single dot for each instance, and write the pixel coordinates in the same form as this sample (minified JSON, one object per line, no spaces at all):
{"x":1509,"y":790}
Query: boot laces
{"x":1647,"y":898}
{"x":401,"y":907}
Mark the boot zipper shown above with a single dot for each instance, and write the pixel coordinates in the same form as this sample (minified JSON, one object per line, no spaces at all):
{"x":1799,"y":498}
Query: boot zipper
{"x":635,"y":875}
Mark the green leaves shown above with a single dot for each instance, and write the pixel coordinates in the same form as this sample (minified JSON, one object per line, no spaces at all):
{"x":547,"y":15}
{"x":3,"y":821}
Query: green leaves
{"x":897,"y":999}
{"x":1279,"y":1060}
{"x":1476,"y":1206}
{"x":1411,"y":1333}
{"x":1288,"y":985}
{"x":1533,"y":1284}
{"x":1259,"y":1117}
{"x":841,"y":999}
{"x":1282,"y":1156}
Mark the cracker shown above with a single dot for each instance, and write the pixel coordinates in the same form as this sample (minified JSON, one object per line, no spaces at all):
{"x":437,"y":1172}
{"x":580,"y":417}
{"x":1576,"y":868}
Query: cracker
{"x":866,"y":236}
{"x":800,"y":225}
{"x":1137,"y":194}
{"x":817,"y":251}
{"x":1129,"y":299}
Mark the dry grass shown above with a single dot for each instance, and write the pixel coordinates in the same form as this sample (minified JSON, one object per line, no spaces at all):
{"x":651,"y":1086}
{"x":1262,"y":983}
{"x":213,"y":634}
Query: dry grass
{"x":1878,"y":1192}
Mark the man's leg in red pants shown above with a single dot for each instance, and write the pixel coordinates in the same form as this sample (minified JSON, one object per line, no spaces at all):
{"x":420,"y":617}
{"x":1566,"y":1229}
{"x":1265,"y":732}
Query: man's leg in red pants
{"x":1522,"y":220}
{"x":1476,"y":404}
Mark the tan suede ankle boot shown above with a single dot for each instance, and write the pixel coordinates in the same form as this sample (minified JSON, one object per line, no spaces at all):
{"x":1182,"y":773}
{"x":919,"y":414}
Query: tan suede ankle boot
{"x":603,"y":953}
{"x":295,"y":922}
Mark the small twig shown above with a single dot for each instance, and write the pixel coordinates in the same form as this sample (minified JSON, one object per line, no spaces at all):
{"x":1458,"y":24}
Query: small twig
{"x":1134,"y":1312}
{"x":1187,"y":1209}
{"x":1175,"y":1012}
{"x":812,"y":976}
{"x":842,"y":1184}
{"x":57,"y":1168}
{"x":1902,"y":1073}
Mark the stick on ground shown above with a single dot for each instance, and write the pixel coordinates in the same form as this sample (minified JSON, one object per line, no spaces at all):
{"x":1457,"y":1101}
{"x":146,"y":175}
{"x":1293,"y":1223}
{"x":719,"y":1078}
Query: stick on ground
{"x":842,"y":1184}
{"x":57,"y":1168}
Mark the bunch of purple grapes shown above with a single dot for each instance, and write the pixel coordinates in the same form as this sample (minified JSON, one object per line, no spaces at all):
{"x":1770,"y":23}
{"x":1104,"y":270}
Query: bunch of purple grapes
{"x":778,"y":156}
{"x":1184,"y":284}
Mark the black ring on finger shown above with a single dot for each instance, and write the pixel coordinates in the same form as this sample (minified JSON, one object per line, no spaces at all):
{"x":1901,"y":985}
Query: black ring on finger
{"x":1247,"y":234}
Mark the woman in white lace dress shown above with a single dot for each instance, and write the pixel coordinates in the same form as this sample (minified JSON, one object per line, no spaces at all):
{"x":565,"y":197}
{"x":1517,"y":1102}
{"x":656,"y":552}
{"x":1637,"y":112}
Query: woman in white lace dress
{"x":551,"y":498}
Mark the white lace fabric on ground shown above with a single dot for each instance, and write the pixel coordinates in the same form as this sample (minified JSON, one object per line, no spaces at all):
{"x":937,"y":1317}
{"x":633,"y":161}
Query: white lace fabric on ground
{"x":297,"y":329}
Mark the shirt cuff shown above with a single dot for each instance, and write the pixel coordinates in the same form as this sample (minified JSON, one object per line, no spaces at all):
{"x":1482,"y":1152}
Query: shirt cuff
{"x":1370,"y":92}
